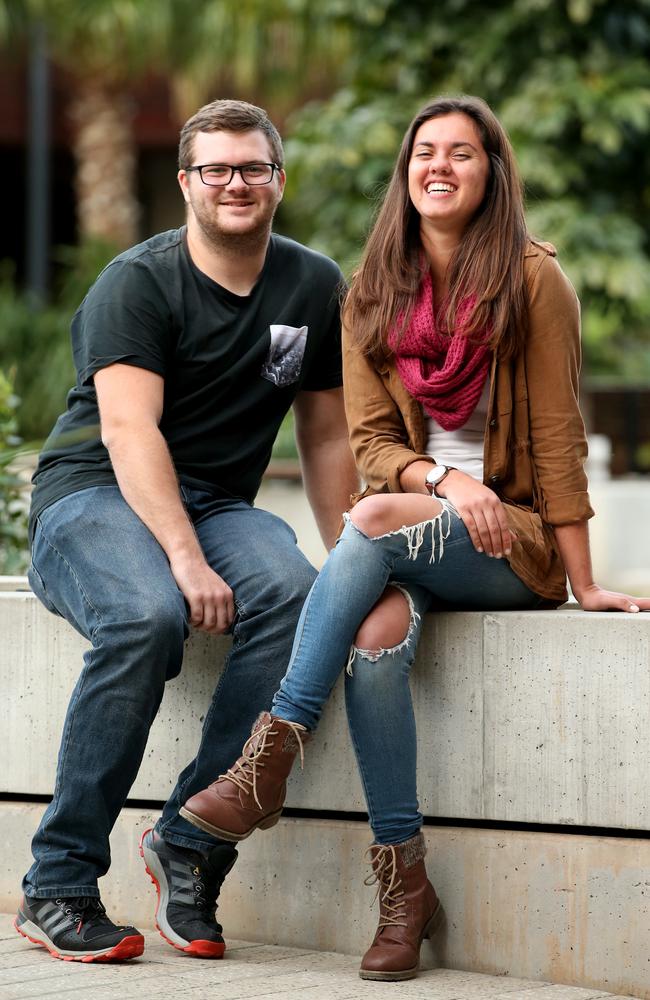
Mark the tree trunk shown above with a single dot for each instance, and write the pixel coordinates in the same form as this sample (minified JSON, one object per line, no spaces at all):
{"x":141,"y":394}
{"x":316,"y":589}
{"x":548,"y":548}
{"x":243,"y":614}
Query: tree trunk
{"x":105,"y":154}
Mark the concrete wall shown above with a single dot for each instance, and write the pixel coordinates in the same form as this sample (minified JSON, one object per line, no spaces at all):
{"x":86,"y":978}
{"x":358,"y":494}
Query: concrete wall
{"x":537,"y":717}
{"x":528,"y":717}
{"x":569,"y":909}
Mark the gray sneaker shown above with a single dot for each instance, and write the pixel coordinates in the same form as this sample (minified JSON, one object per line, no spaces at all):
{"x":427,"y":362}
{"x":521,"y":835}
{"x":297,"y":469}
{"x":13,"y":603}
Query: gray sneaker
{"x":77,"y":930}
{"x":188,"y":884}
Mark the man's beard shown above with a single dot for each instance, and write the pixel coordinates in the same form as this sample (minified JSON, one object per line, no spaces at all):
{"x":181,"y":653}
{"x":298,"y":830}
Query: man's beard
{"x":222,"y":240}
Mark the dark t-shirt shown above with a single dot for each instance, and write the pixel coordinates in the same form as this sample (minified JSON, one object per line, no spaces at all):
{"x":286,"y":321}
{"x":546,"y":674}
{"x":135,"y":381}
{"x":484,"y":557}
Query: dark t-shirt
{"x":232,"y":364}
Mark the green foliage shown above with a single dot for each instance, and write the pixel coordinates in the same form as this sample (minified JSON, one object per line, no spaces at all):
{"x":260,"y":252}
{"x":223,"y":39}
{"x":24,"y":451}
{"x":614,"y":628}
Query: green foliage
{"x":284,"y":447}
{"x":13,"y":502}
{"x":268,"y":50}
{"x":35,"y":341}
{"x":570,"y":81}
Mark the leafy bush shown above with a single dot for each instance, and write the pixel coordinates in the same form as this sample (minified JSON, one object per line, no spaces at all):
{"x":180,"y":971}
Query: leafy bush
{"x":35,"y":341}
{"x":13,"y":500}
{"x":571,"y":83}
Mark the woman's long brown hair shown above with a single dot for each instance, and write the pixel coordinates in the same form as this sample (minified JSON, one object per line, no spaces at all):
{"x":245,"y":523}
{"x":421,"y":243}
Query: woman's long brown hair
{"x":488,"y":263}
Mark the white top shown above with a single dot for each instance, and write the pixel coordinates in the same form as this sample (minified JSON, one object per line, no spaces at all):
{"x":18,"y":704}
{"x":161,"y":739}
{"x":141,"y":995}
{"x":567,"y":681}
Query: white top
{"x":462,"y":448}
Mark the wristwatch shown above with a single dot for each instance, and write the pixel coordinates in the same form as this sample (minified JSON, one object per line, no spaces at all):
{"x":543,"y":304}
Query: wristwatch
{"x":436,"y":476}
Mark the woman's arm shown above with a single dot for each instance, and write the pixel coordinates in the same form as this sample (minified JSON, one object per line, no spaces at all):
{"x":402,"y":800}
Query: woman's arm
{"x":385,"y":459}
{"x":573,"y":543}
{"x":558,"y":442}
{"x":378,"y":435}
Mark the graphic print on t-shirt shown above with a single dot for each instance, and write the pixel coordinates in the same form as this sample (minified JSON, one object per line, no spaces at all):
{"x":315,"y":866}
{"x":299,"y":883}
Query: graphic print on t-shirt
{"x":284,"y":360}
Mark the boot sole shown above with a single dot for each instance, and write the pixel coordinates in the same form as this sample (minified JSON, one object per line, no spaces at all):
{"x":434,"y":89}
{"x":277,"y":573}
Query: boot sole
{"x":264,"y":824}
{"x":430,"y":929}
{"x":389,"y":977}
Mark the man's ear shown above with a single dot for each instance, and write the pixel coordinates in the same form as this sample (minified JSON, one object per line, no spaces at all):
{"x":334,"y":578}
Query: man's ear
{"x":283,"y":180}
{"x":184,"y":183}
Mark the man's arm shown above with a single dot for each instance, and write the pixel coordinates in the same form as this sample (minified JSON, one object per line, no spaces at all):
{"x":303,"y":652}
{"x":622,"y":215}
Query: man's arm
{"x":328,"y":468}
{"x":130,"y":403}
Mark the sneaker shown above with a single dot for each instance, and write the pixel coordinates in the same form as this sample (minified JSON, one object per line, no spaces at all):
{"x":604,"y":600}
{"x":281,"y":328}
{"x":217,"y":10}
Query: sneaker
{"x":76,"y":930}
{"x":188,"y":884}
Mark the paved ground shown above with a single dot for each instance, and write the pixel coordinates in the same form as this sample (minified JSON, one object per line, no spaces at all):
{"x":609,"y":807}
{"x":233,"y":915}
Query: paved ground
{"x":249,"y":971}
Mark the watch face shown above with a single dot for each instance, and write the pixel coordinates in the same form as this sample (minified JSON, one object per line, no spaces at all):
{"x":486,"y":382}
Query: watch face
{"x":436,"y":474}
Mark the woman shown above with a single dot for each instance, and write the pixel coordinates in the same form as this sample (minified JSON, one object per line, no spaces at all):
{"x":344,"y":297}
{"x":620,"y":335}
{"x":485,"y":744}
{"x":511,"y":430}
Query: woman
{"x":461,"y":380}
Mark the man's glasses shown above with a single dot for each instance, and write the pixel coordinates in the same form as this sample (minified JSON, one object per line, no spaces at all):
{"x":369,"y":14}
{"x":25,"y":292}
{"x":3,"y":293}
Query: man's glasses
{"x":220,"y":174}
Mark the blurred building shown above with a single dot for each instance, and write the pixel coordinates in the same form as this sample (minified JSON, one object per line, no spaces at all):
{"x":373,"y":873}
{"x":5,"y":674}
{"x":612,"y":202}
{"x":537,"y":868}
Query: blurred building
{"x":156,"y":133}
{"x":621,"y":413}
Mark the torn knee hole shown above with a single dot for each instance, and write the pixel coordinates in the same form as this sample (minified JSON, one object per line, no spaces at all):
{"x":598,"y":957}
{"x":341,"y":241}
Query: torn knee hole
{"x":388,"y":623}
{"x":377,"y":640}
{"x":381,"y":634}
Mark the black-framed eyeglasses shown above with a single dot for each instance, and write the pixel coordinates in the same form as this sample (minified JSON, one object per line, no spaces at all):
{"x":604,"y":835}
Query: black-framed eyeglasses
{"x":220,"y":174}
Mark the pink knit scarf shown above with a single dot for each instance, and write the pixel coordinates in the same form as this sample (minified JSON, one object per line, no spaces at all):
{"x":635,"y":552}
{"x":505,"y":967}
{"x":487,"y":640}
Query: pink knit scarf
{"x":445,"y":374}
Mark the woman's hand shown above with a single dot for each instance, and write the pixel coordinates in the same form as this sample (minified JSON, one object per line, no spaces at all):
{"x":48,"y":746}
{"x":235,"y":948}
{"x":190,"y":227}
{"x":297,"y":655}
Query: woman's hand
{"x":481,"y":512}
{"x":573,"y":542}
{"x":594,"y":598}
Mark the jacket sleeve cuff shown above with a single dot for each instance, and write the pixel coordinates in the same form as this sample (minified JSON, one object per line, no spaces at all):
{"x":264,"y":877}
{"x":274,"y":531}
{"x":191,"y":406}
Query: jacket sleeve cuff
{"x":567,"y":509}
{"x":408,"y":458}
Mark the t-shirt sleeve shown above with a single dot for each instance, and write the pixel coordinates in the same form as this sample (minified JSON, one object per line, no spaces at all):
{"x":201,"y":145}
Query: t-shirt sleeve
{"x":125,"y":319}
{"x":326,"y":368}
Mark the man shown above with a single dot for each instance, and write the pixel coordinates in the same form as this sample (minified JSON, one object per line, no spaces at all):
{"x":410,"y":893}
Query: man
{"x":189,"y":348}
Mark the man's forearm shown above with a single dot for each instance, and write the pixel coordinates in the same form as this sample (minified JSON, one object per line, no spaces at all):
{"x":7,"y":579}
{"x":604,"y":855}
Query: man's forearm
{"x":147,"y":480}
{"x":330,"y":477}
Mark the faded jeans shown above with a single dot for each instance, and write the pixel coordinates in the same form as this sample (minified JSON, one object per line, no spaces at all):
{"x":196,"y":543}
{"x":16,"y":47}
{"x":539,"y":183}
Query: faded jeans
{"x":95,"y":563}
{"x":432,"y":560}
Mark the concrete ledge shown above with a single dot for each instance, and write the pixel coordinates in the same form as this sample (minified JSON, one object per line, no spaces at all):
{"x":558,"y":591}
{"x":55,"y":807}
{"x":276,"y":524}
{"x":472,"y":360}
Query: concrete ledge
{"x":536,"y":717}
{"x":569,"y":909}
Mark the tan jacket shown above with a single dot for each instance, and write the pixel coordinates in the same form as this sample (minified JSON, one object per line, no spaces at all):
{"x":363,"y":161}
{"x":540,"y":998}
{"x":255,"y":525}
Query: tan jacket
{"x":535,"y":444}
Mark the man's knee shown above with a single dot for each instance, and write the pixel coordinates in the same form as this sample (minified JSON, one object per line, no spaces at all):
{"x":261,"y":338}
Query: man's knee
{"x":285,"y":586}
{"x":151,"y":631}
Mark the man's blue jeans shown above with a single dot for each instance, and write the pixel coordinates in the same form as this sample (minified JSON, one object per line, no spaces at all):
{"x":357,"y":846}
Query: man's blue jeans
{"x":96,"y":564}
{"x":429,"y":561}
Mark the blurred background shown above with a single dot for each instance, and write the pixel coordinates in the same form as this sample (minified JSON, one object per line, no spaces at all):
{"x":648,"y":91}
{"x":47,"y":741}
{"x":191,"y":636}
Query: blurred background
{"x":92,"y":96}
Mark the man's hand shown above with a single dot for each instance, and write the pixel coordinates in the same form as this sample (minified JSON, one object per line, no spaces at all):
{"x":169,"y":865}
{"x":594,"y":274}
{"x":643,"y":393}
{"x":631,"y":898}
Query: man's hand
{"x":481,"y":512}
{"x":210,"y":599}
{"x":130,"y":406}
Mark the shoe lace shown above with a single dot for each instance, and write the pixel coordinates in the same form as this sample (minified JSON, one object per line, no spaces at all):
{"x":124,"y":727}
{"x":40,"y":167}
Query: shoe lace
{"x":243,"y":773}
{"x":84,"y":909}
{"x":206,"y":885}
{"x":392,"y":904}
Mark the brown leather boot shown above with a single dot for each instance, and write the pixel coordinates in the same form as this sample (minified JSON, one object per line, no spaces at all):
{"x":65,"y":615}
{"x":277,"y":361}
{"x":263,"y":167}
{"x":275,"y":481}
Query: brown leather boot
{"x":409,"y":910}
{"x":251,"y":793}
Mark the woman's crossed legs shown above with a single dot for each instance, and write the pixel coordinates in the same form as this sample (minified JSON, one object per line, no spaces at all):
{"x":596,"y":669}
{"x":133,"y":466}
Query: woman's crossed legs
{"x":421,"y":547}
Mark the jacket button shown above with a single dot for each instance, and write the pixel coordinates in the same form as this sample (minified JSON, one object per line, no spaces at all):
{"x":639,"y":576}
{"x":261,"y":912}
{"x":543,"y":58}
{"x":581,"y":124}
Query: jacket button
{"x":493,"y":423}
{"x":495,"y":479}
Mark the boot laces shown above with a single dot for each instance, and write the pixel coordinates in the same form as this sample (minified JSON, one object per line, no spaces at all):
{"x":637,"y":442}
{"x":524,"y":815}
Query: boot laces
{"x":384,"y":875}
{"x":244,"y":772}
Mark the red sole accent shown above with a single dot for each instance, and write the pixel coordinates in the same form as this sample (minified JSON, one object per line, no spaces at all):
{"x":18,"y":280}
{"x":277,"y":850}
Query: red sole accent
{"x":203,"y":949}
{"x":129,"y":947}
{"x":199,"y":949}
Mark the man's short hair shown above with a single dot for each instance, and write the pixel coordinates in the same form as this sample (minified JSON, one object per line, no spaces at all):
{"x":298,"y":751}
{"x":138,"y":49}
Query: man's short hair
{"x":228,"y":116}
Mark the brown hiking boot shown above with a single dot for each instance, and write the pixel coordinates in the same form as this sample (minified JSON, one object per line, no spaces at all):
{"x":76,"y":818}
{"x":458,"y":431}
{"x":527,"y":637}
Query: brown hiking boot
{"x":251,"y":793}
{"x":409,"y":910}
